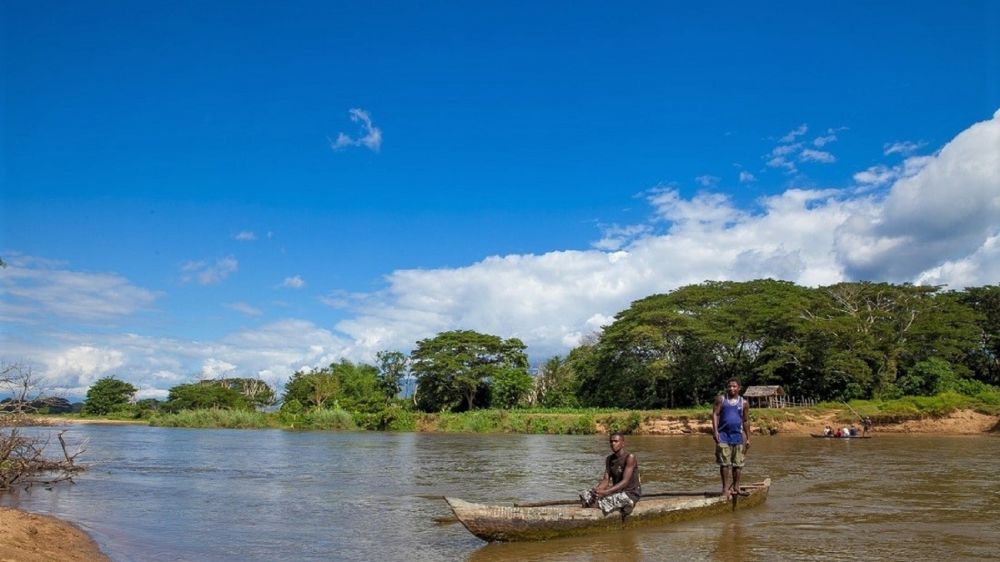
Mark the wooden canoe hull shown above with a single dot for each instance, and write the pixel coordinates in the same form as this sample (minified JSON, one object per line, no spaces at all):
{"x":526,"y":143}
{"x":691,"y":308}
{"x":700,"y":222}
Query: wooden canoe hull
{"x":508,"y":523}
{"x":821,"y":436}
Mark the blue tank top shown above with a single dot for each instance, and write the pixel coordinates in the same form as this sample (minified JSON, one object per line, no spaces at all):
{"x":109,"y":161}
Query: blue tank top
{"x":731,"y":421}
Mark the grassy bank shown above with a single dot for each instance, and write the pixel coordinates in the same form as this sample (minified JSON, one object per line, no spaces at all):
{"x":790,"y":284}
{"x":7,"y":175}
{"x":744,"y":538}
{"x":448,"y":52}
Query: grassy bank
{"x":571,"y":421}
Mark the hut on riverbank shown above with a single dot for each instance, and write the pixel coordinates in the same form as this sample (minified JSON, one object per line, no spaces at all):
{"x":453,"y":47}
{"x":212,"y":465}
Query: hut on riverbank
{"x":765,"y":396}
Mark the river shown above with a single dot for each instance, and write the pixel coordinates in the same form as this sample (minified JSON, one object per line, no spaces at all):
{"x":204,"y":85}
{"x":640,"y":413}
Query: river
{"x":161,"y":494}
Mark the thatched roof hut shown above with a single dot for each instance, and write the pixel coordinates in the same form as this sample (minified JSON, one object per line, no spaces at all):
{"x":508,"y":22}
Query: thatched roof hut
{"x":765,"y":396}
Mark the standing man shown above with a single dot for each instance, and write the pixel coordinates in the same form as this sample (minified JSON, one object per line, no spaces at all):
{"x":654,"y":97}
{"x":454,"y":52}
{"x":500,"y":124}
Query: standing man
{"x":731,"y":429}
{"x":619,"y":487}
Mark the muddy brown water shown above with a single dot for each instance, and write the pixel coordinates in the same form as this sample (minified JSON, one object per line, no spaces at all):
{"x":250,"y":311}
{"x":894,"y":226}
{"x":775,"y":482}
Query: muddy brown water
{"x":157,"y":494}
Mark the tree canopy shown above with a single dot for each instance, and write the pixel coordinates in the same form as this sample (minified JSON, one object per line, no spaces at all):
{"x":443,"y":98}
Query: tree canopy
{"x":452,"y":367}
{"x":108,"y":395}
{"x":848,"y":340}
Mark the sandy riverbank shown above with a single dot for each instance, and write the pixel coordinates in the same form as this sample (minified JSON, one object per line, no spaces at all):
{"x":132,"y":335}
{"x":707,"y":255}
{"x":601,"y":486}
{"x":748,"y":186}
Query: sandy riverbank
{"x":30,"y":537}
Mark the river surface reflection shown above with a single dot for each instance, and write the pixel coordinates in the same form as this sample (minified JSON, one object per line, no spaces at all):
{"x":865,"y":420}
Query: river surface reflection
{"x":160,"y":494}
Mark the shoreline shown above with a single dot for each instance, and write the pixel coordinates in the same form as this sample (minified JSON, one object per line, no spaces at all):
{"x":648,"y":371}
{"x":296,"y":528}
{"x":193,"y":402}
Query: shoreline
{"x":959,"y":422}
{"x":33,"y":537}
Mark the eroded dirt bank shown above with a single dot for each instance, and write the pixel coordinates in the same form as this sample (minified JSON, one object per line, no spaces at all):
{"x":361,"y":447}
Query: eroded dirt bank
{"x":960,"y":422}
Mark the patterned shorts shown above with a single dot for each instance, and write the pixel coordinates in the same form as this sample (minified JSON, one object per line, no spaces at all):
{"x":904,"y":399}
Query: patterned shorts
{"x":607,"y":504}
{"x":729,"y":455}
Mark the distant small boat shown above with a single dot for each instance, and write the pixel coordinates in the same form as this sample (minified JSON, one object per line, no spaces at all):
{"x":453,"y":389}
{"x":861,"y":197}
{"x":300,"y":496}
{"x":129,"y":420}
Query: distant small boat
{"x":822,"y":436}
{"x":513,"y":523}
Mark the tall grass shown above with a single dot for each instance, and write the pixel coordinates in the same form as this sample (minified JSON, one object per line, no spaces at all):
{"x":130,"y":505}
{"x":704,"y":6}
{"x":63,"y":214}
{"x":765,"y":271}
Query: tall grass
{"x":215,"y":417}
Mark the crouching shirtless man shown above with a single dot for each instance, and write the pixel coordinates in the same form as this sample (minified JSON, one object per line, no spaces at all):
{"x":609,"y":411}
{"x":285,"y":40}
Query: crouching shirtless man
{"x":619,"y":488}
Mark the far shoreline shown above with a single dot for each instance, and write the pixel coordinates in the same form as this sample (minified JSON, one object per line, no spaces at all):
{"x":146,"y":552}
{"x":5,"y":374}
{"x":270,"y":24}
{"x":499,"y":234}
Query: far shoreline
{"x":964,"y":421}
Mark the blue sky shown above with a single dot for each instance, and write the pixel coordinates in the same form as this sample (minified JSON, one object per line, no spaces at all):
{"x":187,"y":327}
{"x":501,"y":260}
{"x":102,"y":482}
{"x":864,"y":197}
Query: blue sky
{"x":244,"y":189}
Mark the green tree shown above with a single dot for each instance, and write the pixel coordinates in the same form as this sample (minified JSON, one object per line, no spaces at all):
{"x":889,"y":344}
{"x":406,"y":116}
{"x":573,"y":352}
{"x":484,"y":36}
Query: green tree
{"x":510,"y":388}
{"x":392,"y":367}
{"x":257,"y":393}
{"x":451,"y":367}
{"x":204,"y":395}
{"x":678,"y":349}
{"x":556,"y":384}
{"x":984,"y":359}
{"x":352,"y":386}
{"x":108,"y":395}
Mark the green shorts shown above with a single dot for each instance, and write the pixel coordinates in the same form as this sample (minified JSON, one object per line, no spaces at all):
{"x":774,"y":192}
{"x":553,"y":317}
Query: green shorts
{"x":729,"y":455}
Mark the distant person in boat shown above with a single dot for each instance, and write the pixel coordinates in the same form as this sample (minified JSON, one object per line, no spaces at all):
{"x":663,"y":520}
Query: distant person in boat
{"x":854,"y":431}
{"x":845,"y":432}
{"x":731,"y":430}
{"x":828,"y":431}
{"x":619,"y":488}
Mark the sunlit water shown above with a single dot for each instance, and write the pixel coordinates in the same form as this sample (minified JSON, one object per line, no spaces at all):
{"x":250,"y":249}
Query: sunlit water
{"x":157,"y":494}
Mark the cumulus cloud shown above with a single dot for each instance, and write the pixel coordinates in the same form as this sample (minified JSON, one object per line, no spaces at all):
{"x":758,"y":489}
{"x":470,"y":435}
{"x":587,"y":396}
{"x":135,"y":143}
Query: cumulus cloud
{"x":936,"y":220}
{"x":70,"y":363}
{"x":947,"y":209}
{"x":31,"y":285}
{"x":747,"y":177}
{"x":245,"y":236}
{"x":616,"y":236}
{"x":294,"y":282}
{"x":370,"y":136}
{"x":209,"y":273}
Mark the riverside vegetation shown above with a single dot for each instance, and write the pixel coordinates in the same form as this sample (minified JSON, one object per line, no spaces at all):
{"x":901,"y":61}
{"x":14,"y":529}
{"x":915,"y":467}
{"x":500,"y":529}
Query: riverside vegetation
{"x":894,"y":352}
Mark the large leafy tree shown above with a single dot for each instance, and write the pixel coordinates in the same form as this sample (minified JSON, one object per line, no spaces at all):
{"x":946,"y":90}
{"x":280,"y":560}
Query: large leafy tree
{"x":203,"y":395}
{"x":556,"y":384}
{"x":678,"y":349}
{"x":984,"y":359}
{"x":451,"y":367}
{"x":108,"y":395}
{"x":510,"y":388}
{"x":352,"y":386}
{"x":392,"y":367}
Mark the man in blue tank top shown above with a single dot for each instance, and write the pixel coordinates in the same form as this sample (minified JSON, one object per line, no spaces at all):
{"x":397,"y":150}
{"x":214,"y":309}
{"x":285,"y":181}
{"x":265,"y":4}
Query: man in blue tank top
{"x":731,"y":429}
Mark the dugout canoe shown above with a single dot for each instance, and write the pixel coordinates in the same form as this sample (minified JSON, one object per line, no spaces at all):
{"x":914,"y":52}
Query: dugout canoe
{"x":506,"y":523}
{"x":821,"y":436}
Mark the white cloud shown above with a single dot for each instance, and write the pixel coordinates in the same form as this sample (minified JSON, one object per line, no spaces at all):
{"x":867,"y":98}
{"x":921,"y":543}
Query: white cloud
{"x":904,"y":147}
{"x":707,"y":181}
{"x":793,"y":134}
{"x":812,"y":155}
{"x":244,"y":308}
{"x":245,"y":236}
{"x":371,"y":136}
{"x":876,"y":175}
{"x":747,"y":177}
{"x":30,"y":285}
{"x":294,"y":282}
{"x":69,"y":363}
{"x":780,"y":157}
{"x":824,"y":140}
{"x":936,"y":221}
{"x":945,"y":211}
{"x":615,"y":236}
{"x":214,"y":368}
{"x":209,"y":274}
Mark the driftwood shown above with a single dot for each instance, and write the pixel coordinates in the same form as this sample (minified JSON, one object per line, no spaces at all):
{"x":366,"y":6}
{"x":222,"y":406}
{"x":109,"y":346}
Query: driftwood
{"x":23,"y":461}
